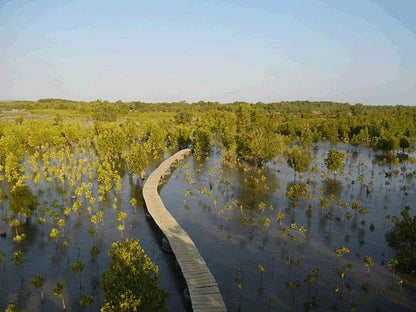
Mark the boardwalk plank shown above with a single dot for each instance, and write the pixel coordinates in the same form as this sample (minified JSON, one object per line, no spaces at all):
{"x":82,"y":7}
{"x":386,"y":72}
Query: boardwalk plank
{"x":203,"y":289}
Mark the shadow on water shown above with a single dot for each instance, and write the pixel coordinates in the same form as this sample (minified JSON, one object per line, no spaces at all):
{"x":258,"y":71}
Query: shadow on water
{"x":332,"y":187}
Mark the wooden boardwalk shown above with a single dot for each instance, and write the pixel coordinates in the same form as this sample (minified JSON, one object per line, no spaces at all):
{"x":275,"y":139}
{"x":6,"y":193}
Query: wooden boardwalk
{"x":203,"y":289}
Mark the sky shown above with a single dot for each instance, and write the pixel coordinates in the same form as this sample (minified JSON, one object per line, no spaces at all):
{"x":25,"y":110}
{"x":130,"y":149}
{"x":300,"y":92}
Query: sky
{"x":355,"y":51}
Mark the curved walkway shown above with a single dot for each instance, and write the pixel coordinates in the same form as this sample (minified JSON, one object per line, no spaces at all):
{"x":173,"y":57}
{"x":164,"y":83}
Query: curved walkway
{"x":203,"y":289}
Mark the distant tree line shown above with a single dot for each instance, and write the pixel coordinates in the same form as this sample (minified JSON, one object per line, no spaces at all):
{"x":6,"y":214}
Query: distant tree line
{"x":255,"y":132}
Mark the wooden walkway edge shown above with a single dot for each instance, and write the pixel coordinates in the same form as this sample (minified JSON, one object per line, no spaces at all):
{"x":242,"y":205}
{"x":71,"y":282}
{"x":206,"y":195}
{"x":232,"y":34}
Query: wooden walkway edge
{"x":203,"y":289}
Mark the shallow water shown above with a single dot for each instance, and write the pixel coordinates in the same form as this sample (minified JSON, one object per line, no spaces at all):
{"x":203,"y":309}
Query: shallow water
{"x":46,"y":256}
{"x":239,"y":236}
{"x":234,"y":240}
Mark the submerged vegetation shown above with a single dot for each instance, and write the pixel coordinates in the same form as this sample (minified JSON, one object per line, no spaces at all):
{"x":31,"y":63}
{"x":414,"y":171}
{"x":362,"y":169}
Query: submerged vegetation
{"x":63,"y":161}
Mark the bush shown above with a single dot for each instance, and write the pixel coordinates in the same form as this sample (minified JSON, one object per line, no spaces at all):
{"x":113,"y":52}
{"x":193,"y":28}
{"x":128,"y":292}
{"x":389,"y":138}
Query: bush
{"x":131,"y":283}
{"x":403,"y":239}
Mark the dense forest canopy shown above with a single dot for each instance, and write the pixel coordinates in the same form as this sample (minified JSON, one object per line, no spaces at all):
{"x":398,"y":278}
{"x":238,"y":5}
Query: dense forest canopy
{"x":316,"y":121}
{"x":253,"y":132}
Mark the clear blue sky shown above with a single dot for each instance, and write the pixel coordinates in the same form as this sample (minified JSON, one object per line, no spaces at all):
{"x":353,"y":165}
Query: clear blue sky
{"x":348,"y":51}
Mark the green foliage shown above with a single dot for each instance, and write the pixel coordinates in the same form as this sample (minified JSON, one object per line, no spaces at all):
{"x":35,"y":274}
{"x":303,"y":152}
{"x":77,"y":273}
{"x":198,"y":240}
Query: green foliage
{"x":256,"y":133}
{"x":402,"y":238}
{"x":94,"y":252}
{"x":86,"y":300}
{"x":368,"y":262}
{"x":131,"y":129}
{"x":17,"y":258}
{"x":22,"y":201}
{"x":109,"y":140}
{"x":37,"y":282}
{"x":201,"y":139}
{"x":256,"y":137}
{"x":293,"y":286}
{"x":340,"y":251}
{"x":58,"y":291}
{"x":180,"y":136}
{"x":77,"y":267}
{"x":54,"y":233}
{"x":296,"y":190}
{"x":362,"y":137}
{"x":387,"y":144}
{"x":130,"y":283}
{"x":299,"y":159}
{"x":183,"y":117}
{"x":334,"y":160}
{"x":154,"y":139}
{"x":227,"y":124}
{"x":137,"y":158}
{"x":404,"y":143}
{"x":104,"y":111}
{"x":12,"y":307}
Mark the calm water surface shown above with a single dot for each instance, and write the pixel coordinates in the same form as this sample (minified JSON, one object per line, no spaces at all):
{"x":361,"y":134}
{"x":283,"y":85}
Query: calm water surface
{"x":44,"y":255}
{"x":262,"y":265}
